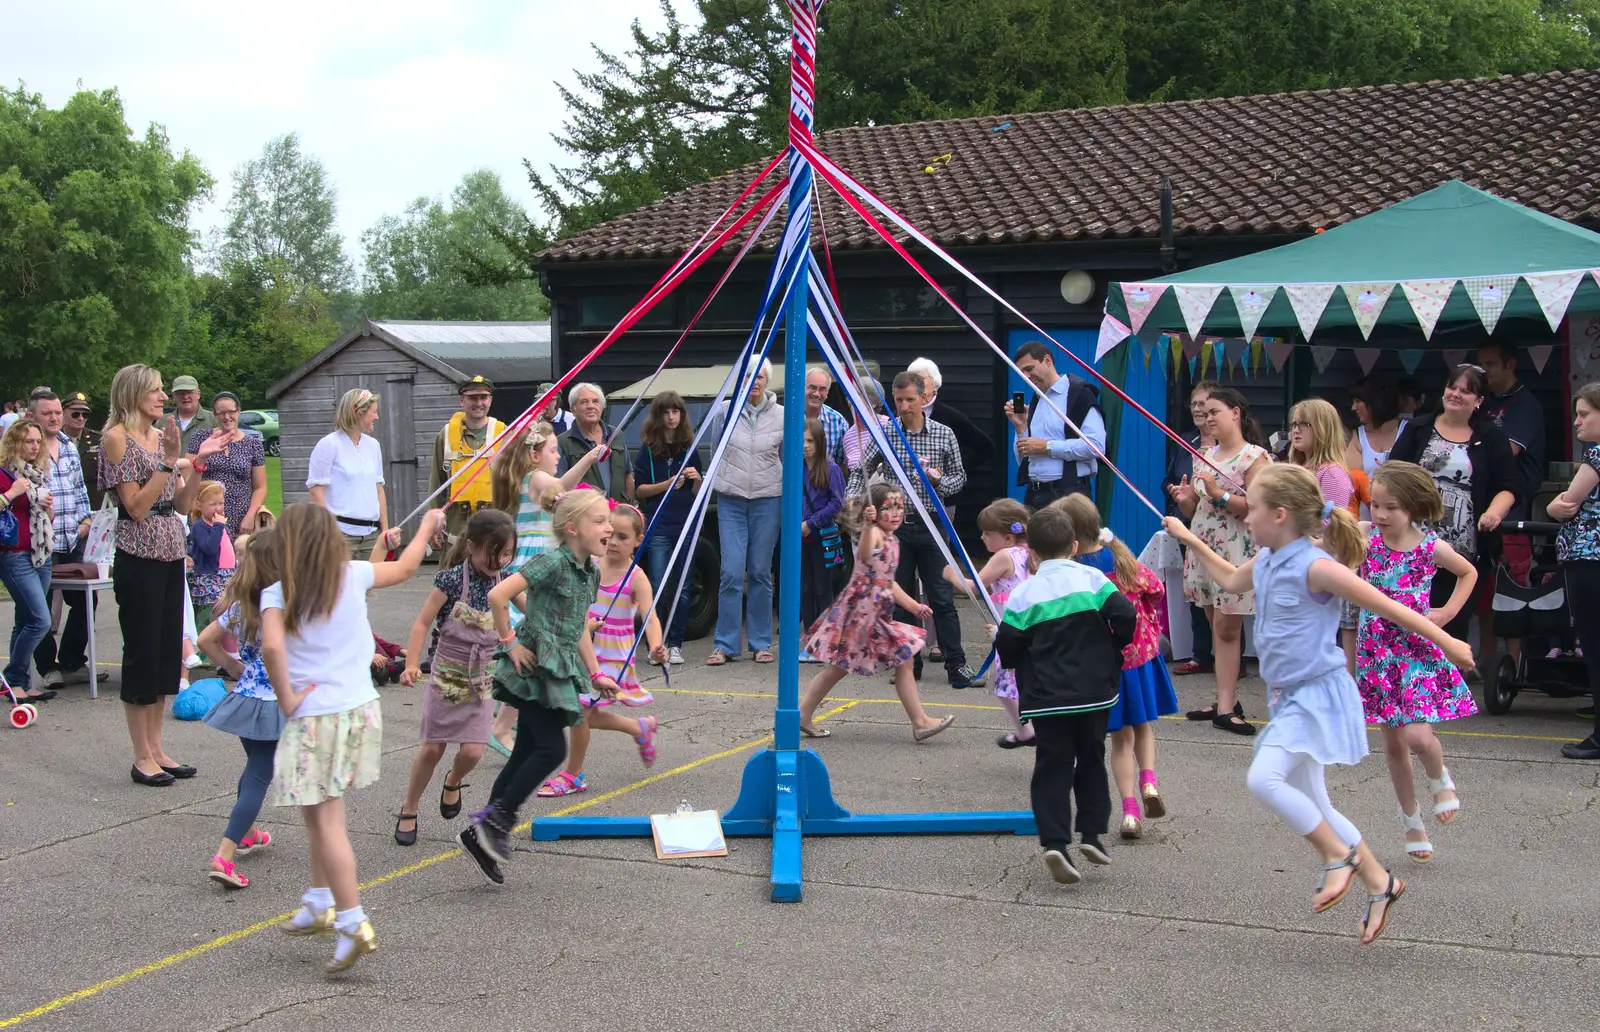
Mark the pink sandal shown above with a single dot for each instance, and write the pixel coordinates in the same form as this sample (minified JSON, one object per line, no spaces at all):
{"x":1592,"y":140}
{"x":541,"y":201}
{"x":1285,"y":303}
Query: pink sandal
{"x":255,"y":840}
{"x":561,"y":784}
{"x":223,"y":874}
{"x":647,"y":740}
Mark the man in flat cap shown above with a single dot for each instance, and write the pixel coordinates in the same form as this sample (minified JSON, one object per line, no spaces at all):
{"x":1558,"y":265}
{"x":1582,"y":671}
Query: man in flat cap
{"x":186,"y":406}
{"x":461,"y":446}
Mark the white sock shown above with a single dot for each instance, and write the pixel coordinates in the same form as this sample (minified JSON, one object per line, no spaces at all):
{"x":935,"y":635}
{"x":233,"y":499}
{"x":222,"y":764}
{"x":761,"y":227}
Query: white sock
{"x":347,"y":921}
{"x":314,"y":902}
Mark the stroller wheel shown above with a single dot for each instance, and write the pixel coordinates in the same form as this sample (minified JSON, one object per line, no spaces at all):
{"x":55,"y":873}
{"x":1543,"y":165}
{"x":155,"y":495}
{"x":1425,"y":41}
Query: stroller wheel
{"x":1497,"y":695}
{"x":24,"y":714}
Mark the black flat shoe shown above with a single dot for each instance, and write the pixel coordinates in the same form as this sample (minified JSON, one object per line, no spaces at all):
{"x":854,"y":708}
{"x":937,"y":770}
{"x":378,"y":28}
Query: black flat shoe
{"x":406,"y":838}
{"x":1009,"y":740}
{"x":155,"y":780}
{"x":1238,"y":726}
{"x":181,"y":771}
{"x":449,"y":811}
{"x":44,"y":696}
{"x":1588,"y":749}
{"x":1210,"y":712}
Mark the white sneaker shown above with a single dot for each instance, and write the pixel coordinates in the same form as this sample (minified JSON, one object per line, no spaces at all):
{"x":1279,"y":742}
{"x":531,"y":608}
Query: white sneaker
{"x":194,"y":661}
{"x":1061,"y":869}
{"x":54,"y":680}
{"x":675,"y":656}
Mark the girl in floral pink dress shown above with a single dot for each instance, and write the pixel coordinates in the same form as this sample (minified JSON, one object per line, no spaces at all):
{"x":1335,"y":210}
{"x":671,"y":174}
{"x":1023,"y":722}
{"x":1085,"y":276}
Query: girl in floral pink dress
{"x":1004,"y":527}
{"x":856,"y":634}
{"x":1406,"y":683}
{"x":1146,"y":693}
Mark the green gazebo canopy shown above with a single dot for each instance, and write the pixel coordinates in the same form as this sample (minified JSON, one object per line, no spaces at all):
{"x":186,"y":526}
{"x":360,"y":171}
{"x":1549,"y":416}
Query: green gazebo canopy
{"x":1449,"y":258}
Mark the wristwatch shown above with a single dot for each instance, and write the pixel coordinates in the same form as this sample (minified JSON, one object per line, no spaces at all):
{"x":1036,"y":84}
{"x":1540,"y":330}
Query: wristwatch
{"x":1222,"y":503}
{"x":162,"y":467}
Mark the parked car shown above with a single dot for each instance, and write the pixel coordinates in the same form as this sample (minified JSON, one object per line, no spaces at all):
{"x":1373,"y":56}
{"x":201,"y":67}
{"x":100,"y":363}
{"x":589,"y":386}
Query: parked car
{"x":264,"y":423}
{"x":698,"y":386}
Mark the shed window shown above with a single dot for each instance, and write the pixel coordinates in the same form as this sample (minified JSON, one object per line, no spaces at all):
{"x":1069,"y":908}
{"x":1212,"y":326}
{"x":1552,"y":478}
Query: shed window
{"x":605,"y":310}
{"x":896,"y":303}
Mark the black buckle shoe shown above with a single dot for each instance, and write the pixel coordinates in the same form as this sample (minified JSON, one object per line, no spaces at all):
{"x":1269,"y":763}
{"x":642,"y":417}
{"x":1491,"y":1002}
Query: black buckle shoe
{"x":449,"y":811}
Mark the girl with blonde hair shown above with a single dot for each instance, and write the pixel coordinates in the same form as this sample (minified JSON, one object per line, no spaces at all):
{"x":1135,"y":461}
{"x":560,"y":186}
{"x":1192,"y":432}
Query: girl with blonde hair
{"x":316,"y":645}
{"x":1315,"y":708}
{"x":1317,"y":443}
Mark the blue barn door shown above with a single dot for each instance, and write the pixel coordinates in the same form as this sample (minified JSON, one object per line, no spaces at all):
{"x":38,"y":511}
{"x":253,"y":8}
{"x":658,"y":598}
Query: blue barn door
{"x":1138,"y":446}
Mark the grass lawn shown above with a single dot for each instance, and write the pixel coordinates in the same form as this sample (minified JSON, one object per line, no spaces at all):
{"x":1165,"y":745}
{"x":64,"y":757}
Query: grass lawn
{"x":274,"y":485}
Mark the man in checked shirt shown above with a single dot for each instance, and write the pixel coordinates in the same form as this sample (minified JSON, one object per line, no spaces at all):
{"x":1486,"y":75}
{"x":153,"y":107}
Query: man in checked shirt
{"x":940,"y":456}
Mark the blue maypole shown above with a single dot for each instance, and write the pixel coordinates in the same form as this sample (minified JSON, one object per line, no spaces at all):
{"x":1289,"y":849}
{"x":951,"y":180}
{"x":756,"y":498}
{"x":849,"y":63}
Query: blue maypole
{"x":785,"y":790}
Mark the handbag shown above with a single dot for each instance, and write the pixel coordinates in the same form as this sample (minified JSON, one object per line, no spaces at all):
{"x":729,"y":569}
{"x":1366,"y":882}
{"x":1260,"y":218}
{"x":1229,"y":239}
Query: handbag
{"x":832,"y":547}
{"x":99,"y":544}
{"x":9,"y":529}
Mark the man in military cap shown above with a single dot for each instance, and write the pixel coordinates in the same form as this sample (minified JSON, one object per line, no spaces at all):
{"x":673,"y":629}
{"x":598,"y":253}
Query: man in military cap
{"x":461,"y":445}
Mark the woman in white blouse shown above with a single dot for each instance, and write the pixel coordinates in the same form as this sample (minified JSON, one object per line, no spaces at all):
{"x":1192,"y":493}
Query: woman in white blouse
{"x":346,"y":474}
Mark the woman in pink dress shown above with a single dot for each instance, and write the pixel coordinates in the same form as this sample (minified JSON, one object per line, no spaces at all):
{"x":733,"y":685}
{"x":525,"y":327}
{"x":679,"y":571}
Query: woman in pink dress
{"x":856,"y":635}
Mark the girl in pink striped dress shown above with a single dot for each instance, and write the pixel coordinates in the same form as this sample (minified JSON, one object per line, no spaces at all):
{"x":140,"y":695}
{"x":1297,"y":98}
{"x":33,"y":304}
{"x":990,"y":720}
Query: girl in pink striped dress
{"x":612,"y":623}
{"x":1004,"y":525}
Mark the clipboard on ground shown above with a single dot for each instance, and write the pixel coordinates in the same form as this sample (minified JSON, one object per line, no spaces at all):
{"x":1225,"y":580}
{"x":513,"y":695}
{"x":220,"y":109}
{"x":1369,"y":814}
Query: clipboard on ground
{"x":686,"y":834}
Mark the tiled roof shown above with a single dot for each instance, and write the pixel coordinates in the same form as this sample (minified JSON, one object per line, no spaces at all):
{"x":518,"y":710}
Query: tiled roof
{"x":1281,"y":163}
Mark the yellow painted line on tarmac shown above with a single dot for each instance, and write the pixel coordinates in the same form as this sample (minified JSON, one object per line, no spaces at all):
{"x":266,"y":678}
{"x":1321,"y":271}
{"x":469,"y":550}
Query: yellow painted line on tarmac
{"x":243,"y":933}
{"x":1176,"y":717}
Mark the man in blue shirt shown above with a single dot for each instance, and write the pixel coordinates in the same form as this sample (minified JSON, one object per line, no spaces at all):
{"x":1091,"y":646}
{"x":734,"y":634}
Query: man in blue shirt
{"x":1053,"y":459}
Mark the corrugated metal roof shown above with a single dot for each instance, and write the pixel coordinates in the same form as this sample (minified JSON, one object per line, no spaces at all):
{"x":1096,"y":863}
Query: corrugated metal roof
{"x":505,"y":352}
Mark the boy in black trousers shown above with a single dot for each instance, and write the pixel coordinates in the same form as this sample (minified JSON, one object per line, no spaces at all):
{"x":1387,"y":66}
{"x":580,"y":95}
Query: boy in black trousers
{"x":1063,"y":633}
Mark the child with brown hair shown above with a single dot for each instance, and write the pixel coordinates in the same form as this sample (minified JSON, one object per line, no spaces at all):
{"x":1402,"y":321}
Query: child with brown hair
{"x":1314,"y":706}
{"x":457,"y":710}
{"x":1146,"y":694}
{"x":857,"y":635}
{"x":316,"y":643}
{"x":1003,"y":524}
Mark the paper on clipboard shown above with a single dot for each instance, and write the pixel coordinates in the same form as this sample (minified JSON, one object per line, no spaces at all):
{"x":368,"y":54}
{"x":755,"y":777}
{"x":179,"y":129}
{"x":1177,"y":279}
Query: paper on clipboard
{"x":688,"y":834}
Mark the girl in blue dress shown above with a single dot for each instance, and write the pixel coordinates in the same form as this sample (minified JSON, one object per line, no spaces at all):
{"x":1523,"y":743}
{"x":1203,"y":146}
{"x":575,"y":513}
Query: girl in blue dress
{"x":1316,"y":713}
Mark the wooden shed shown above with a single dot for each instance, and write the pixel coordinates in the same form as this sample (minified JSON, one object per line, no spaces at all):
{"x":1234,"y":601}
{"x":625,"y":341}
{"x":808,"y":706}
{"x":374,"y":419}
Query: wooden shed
{"x":414,"y":368}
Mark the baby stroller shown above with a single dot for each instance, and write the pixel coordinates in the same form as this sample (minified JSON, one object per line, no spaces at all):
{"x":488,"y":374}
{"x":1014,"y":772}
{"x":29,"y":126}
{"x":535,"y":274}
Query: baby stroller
{"x":23,"y":713}
{"x":1539,"y":613}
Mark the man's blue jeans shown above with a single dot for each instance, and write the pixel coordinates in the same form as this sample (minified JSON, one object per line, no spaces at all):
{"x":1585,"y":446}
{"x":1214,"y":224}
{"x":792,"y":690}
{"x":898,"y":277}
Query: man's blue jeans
{"x":748,"y":532}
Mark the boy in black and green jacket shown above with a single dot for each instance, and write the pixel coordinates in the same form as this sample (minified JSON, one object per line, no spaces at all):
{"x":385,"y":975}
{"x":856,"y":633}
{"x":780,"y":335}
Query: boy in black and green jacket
{"x":1063,"y":633}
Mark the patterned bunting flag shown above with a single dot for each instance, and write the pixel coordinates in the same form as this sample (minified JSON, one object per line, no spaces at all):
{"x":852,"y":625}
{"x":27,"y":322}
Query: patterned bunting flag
{"x":1308,"y":300}
{"x":1279,"y":349}
{"x":1366,"y":303}
{"x":1489,"y":295}
{"x":1368,"y":357}
{"x":1540,"y":353}
{"x":1553,"y":291}
{"x":1251,"y":300}
{"x":1453,"y":357}
{"x":1195,"y":301}
{"x":1322,"y":356}
{"x":1112,"y":333}
{"x":1410,"y":359}
{"x":1428,"y":298}
{"x":1141,"y":300}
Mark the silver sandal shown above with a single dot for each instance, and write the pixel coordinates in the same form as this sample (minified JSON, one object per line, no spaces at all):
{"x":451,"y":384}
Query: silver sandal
{"x":1352,"y":860}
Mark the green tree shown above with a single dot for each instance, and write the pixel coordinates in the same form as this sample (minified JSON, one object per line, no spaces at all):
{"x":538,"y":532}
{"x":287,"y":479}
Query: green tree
{"x":94,"y":237}
{"x":689,"y":102}
{"x":281,"y":216}
{"x":247,"y":326}
{"x":454,"y":261}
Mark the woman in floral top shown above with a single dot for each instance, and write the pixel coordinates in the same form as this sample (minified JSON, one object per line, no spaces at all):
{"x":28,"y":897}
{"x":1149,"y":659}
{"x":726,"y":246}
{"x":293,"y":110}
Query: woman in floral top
{"x":1578,"y":548}
{"x":140,"y":467}
{"x":1218,"y":520}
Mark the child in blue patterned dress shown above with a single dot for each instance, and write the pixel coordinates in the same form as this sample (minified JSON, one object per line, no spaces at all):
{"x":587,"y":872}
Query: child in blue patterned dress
{"x":1316,"y":714}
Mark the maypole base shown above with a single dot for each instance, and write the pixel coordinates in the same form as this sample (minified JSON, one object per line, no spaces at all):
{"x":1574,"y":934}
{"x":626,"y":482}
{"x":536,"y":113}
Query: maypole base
{"x":786,"y":794}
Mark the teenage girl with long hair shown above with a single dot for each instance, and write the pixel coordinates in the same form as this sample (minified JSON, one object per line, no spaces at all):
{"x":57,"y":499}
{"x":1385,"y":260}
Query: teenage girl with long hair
{"x":666,"y":458}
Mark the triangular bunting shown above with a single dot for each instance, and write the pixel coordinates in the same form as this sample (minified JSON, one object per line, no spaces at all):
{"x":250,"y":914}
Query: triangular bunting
{"x":1255,"y":356}
{"x":1195,"y":302}
{"x":1366,"y":303}
{"x":1489,"y":295}
{"x":1540,"y":353}
{"x":1410,"y":359}
{"x":1279,"y":349}
{"x":1308,"y":300}
{"x":1141,"y":300}
{"x":1554,"y":290}
{"x":1176,"y":346}
{"x":1453,"y":357}
{"x":1194,"y":368}
{"x":1322,"y":356}
{"x":1428,"y":299}
{"x":1112,"y":333}
{"x":1251,"y":301}
{"x":1191,"y":346}
{"x":1368,"y":357}
{"x":1234,"y":348}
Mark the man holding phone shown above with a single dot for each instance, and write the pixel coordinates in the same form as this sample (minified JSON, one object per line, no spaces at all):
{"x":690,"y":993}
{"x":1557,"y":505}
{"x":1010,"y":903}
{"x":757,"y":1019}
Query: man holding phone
{"x":1053,"y":459}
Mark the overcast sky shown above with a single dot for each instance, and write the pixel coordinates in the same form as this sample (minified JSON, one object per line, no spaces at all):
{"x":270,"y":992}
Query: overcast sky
{"x":398,"y":98}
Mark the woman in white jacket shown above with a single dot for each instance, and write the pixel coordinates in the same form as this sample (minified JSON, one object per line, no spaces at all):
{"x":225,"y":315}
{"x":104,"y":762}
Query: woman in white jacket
{"x":749,"y":487}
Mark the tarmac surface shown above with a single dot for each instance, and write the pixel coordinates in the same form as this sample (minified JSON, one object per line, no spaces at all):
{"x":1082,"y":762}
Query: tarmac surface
{"x":1204,"y":924}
